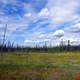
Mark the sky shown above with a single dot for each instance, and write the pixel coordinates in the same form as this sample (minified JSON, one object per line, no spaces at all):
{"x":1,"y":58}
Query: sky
{"x":31,"y":22}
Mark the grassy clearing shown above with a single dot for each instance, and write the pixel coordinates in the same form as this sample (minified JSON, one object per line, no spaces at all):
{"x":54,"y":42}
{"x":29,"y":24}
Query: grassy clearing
{"x":40,"y":66}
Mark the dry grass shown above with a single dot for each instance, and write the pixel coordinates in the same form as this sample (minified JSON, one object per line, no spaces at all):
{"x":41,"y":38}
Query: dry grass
{"x":36,"y":66}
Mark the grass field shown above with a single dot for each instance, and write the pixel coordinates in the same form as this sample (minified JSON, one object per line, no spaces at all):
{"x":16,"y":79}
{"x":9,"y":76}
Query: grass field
{"x":40,"y":66}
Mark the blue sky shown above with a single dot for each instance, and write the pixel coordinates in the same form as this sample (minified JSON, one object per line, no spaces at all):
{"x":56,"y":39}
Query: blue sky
{"x":31,"y":22}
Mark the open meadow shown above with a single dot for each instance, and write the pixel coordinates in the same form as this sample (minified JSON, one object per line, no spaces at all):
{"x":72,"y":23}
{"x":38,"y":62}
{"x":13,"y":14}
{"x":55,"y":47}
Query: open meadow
{"x":40,"y":66}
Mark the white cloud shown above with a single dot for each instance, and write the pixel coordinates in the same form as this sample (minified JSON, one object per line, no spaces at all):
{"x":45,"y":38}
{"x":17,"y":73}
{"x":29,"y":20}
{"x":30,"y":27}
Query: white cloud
{"x":44,"y":13}
{"x":61,"y":11}
{"x":58,"y":33}
{"x":28,"y":15}
{"x":27,"y":41}
{"x":74,"y":27}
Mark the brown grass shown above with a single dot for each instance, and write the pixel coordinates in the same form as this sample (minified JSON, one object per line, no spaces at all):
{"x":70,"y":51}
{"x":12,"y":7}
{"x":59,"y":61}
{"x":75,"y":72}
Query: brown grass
{"x":53,"y":74}
{"x":64,"y":66}
{"x":77,"y":77}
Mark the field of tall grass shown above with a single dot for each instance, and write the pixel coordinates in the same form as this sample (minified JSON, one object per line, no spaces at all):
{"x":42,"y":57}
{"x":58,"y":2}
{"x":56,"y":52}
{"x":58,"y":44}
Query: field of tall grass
{"x":40,"y":66}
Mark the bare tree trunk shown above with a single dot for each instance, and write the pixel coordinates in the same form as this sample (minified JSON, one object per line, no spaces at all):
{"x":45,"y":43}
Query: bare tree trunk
{"x":68,"y":45}
{"x":4,"y":35}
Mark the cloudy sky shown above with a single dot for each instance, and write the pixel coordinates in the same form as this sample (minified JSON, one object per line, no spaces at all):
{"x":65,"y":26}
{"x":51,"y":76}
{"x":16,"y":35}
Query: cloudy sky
{"x":36,"y":21}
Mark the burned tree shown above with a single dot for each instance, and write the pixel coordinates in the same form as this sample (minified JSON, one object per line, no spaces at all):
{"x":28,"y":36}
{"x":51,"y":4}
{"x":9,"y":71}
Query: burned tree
{"x":4,"y":35}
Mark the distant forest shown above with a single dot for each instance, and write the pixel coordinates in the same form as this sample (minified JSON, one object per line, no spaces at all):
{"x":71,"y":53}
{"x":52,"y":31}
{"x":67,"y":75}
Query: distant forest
{"x":62,"y":47}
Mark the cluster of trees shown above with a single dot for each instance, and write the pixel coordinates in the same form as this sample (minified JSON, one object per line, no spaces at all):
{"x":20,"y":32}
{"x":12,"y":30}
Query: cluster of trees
{"x":62,"y":47}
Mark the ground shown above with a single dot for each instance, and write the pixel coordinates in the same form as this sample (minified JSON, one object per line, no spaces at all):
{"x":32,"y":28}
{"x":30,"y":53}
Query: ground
{"x":40,"y":66}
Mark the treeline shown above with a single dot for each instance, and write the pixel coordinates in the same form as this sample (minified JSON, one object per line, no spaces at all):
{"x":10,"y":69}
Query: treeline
{"x":60,"y":48}
{"x":9,"y":47}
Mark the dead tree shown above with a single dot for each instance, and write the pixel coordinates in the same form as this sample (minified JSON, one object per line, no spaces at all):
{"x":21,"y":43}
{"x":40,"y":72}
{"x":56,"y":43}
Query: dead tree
{"x":68,"y":47}
{"x":4,"y":35}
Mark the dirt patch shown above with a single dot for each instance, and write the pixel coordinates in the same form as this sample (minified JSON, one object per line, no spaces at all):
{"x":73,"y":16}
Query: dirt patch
{"x":77,"y":77}
{"x":58,"y":74}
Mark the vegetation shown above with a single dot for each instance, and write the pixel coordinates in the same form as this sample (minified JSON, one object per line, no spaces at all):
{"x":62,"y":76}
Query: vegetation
{"x":40,"y":66}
